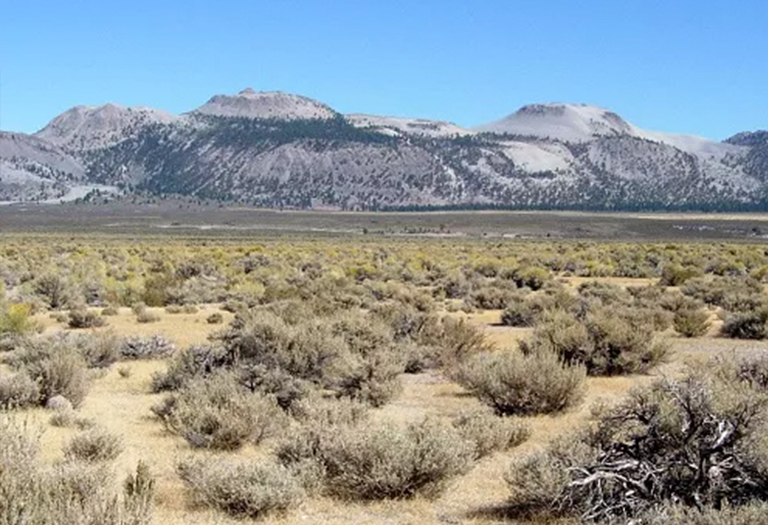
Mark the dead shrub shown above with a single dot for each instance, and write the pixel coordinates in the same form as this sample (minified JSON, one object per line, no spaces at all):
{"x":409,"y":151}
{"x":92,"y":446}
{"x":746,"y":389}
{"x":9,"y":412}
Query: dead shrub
{"x":697,"y":441}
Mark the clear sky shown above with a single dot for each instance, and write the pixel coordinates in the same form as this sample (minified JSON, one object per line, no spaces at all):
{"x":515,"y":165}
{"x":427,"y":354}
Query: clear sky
{"x":698,"y":67}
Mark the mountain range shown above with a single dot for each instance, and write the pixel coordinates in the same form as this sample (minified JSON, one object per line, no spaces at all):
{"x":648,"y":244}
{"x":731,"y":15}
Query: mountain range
{"x":274,"y":149}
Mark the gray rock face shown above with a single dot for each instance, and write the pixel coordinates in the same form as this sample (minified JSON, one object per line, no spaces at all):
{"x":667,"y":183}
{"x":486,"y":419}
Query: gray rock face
{"x":276,"y":149}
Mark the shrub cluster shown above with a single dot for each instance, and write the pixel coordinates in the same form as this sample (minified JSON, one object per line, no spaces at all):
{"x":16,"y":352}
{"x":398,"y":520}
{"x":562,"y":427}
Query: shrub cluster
{"x":216,"y":412}
{"x":69,"y":492}
{"x":606,"y":342}
{"x":513,"y":383}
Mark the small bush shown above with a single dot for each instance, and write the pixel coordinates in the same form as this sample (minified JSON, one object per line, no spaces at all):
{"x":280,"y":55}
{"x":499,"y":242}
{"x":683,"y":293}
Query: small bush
{"x":605,"y":343}
{"x":519,"y":313}
{"x":215,"y":318}
{"x":192,"y":362}
{"x":110,"y":311}
{"x":147,"y":317}
{"x":125,"y":371}
{"x":155,"y":347}
{"x":746,"y":325}
{"x":62,"y":373}
{"x":16,"y":320}
{"x":94,"y":446}
{"x":138,"y":308}
{"x":494,"y":297}
{"x":18,"y":391}
{"x":99,"y":350}
{"x":242,"y":489}
{"x":691,"y":323}
{"x":515,"y":384}
{"x":490,"y":433}
{"x":621,"y":346}
{"x":63,"y":418}
{"x":85,"y":319}
{"x":530,"y":277}
{"x":382,"y":461}
{"x":286,"y":389}
{"x":217,"y":413}
{"x":676,"y":275}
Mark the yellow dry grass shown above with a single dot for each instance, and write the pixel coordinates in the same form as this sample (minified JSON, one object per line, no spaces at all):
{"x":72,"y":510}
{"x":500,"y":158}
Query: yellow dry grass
{"x":122,"y":405}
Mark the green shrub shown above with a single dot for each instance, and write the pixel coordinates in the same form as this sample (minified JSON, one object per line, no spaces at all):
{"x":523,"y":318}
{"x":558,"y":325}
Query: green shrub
{"x":217,"y":413}
{"x":492,"y":297}
{"x":240,"y":488}
{"x":606,"y":343}
{"x":676,"y":275}
{"x":691,"y":323}
{"x":81,"y":318}
{"x":736,"y":294}
{"x":286,"y":389}
{"x":490,"y":433}
{"x":53,"y":289}
{"x":519,"y":313}
{"x":516,"y":384}
{"x":16,"y":320}
{"x":746,"y":325}
{"x":215,"y":318}
{"x":621,"y":346}
{"x":94,"y":446}
{"x":530,"y":277}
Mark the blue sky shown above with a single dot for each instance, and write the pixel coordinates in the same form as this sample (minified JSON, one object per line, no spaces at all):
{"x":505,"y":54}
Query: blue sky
{"x":697,"y":67}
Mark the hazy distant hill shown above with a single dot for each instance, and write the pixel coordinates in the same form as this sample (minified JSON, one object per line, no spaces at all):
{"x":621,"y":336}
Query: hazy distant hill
{"x":276,"y":149}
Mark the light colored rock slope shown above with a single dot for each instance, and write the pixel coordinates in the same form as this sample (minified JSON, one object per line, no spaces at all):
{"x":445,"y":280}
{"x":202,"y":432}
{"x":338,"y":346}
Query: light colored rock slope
{"x":265,"y":105}
{"x":85,"y":128}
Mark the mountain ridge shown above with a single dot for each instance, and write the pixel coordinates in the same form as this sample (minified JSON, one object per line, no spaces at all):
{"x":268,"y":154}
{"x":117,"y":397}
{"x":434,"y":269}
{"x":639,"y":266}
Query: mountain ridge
{"x":277,"y":149}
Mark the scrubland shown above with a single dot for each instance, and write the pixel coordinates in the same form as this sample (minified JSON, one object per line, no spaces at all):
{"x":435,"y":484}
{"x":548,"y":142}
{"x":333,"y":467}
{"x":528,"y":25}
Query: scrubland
{"x":320,"y":380}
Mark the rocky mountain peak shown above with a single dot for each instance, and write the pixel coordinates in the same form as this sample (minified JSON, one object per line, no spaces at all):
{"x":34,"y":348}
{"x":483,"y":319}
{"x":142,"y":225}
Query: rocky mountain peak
{"x":249,"y":103}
